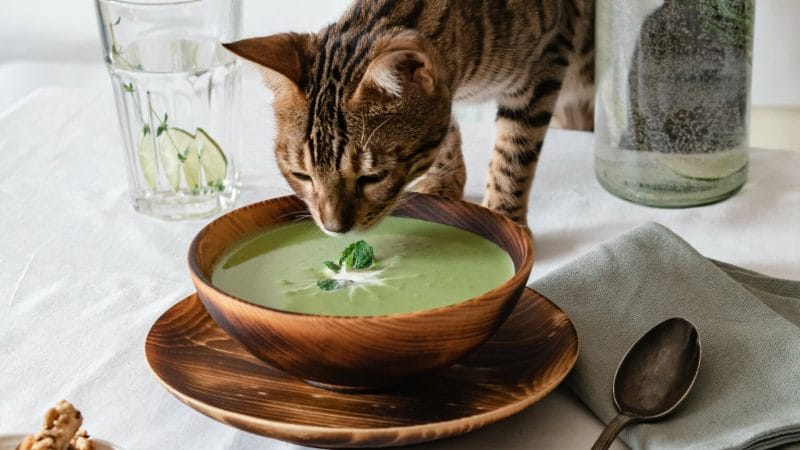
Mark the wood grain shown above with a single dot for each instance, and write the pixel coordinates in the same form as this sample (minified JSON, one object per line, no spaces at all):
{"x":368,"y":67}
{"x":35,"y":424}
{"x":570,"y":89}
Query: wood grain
{"x":203,"y":367}
{"x":360,"y":353}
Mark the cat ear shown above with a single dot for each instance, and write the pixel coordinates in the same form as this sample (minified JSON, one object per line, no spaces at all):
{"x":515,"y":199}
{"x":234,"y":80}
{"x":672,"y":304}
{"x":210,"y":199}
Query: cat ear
{"x":286,"y":54}
{"x":401,"y":64}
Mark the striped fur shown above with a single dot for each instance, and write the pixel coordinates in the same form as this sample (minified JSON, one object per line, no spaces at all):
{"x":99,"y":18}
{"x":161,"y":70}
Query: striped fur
{"x":364,"y":106}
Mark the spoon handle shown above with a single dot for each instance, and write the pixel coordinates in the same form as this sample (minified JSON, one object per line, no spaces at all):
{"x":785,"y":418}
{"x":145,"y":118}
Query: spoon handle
{"x":611,"y":431}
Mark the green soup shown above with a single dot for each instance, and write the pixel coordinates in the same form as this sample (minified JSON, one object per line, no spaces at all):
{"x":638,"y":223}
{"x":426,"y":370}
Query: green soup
{"x":418,"y":265}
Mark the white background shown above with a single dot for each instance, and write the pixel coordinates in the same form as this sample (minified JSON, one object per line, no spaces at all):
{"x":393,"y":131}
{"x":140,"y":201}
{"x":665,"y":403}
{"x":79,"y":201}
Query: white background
{"x":36,"y":33}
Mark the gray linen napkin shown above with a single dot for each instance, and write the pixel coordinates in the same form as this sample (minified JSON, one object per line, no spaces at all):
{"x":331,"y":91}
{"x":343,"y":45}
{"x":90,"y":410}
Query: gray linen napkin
{"x":747,"y":393}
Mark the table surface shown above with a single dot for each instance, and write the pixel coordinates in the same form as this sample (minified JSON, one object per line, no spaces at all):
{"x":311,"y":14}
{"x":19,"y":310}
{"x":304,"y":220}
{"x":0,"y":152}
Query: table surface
{"x":83,"y":276}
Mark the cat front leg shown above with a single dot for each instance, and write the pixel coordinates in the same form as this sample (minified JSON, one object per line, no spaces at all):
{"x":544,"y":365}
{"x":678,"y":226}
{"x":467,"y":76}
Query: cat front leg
{"x":522,"y":120}
{"x":447,"y":175}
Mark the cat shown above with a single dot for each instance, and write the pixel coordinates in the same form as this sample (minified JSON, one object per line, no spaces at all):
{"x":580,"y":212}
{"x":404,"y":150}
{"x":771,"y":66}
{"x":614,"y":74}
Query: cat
{"x":363,"y":108}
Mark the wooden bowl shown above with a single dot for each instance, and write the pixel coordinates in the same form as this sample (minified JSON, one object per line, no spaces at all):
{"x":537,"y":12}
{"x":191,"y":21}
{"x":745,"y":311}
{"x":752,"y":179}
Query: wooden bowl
{"x":360,"y":353}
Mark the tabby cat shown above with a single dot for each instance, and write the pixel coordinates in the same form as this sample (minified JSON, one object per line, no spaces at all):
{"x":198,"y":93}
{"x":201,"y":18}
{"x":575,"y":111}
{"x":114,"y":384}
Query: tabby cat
{"x":364,"y":107}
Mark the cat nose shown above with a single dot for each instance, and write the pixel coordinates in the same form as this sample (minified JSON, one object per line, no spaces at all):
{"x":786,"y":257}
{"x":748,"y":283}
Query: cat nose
{"x":337,"y":227}
{"x":337,"y":224}
{"x":336,"y":218}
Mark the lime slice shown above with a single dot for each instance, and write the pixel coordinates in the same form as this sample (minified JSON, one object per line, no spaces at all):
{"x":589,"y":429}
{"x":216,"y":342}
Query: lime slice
{"x":173,"y":145}
{"x":191,"y":167}
{"x":706,"y":167}
{"x":213,"y":161}
{"x":147,"y":158}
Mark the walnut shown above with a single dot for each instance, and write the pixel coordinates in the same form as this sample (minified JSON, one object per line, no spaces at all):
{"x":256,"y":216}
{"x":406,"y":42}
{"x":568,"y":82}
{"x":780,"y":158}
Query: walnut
{"x":59,"y":431}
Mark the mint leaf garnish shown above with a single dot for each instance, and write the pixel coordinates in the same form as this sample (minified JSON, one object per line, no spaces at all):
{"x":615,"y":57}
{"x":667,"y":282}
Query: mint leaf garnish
{"x":329,"y":284}
{"x":358,"y":255}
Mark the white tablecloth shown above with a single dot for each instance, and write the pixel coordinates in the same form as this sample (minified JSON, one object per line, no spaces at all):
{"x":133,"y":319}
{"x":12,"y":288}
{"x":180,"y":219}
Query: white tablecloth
{"x":82,"y":276}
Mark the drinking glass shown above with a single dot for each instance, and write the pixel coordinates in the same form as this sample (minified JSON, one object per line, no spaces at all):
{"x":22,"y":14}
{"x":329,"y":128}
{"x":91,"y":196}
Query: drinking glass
{"x":177,"y":93}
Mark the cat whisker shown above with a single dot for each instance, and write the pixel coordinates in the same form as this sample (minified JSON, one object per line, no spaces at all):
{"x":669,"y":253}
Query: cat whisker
{"x":363,"y":128}
{"x":302,"y":218}
{"x":296,"y":216}
{"x":408,"y":195}
{"x":369,"y":139}
{"x":449,"y":165}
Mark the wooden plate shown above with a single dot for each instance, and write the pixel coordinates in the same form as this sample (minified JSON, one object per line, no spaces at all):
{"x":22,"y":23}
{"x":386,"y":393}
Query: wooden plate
{"x":198,"y":363}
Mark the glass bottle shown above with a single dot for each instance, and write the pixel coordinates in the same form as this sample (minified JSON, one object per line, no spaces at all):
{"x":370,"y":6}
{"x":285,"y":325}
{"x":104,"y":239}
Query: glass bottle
{"x":673,"y":99}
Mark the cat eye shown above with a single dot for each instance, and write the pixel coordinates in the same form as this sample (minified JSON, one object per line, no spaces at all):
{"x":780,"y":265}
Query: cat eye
{"x":301,"y":176}
{"x":371,"y":179}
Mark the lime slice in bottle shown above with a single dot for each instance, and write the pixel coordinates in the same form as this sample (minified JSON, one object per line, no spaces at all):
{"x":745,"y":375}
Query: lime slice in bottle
{"x":173,"y":145}
{"x":147,"y":158}
{"x":705,"y":167}
{"x":213,"y":161}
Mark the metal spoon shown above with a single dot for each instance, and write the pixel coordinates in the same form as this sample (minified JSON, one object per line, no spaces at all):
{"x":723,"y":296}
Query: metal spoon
{"x":654,"y":376}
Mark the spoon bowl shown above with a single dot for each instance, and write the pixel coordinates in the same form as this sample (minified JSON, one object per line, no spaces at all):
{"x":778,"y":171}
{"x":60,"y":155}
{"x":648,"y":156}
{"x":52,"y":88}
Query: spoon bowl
{"x":654,"y":377}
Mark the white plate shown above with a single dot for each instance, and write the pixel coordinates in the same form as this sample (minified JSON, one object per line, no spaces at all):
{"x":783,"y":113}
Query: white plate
{"x":10,"y":442}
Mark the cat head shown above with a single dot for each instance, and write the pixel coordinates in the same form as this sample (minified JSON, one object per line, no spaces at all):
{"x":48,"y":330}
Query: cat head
{"x":356,"y":120}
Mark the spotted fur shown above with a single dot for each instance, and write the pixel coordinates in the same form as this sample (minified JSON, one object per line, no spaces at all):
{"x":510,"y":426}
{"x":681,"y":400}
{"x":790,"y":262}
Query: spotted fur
{"x":363,"y":107}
